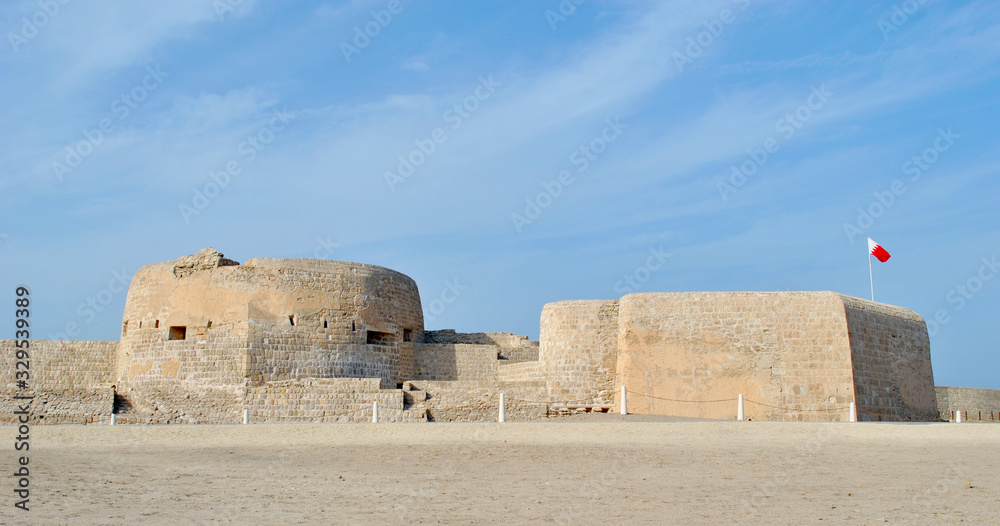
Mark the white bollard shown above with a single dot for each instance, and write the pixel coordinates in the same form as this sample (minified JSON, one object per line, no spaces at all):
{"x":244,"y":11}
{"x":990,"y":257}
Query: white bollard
{"x":114,"y":419}
{"x":853,"y":416}
{"x":503,"y":410}
{"x":375,"y":412}
{"x":740,"y":414}
{"x":246,"y":416}
{"x":958,"y":417}
{"x":624,"y":404}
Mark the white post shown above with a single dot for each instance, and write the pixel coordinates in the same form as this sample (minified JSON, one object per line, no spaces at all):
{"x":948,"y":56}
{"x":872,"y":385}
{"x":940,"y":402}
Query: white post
{"x":624,"y":402}
{"x":114,"y":419}
{"x":503,"y":410}
{"x":853,"y":413}
{"x":958,"y":417}
{"x":375,"y":412}
{"x":740,"y":414}
{"x":246,"y":416}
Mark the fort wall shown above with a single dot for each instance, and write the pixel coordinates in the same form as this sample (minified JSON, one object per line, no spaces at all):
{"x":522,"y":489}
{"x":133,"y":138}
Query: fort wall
{"x":456,"y":362}
{"x":976,"y":405}
{"x":204,"y":338}
{"x":891,"y":361}
{"x":578,"y":350}
{"x":521,"y":372}
{"x":70,"y":380}
{"x":198,"y":330}
{"x":328,"y":400}
{"x":510,"y":347}
{"x":478,"y":402}
{"x":786,"y":350}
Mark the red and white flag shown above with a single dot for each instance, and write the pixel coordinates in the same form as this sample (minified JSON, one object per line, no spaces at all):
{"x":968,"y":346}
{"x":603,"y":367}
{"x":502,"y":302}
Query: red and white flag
{"x":876,"y":250}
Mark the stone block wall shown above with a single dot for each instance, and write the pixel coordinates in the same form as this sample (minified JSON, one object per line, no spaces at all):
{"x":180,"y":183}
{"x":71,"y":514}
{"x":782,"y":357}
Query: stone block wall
{"x":198,"y":330}
{"x":327,"y":400}
{"x":71,"y":381}
{"x":279,"y":354}
{"x":450,"y":362}
{"x":891,"y":361}
{"x":521,"y":372}
{"x":511,"y":347}
{"x":578,"y":350}
{"x":196,"y":380}
{"x":679,"y":352}
{"x":59,"y":365}
{"x":976,"y":405}
{"x":479,"y":402}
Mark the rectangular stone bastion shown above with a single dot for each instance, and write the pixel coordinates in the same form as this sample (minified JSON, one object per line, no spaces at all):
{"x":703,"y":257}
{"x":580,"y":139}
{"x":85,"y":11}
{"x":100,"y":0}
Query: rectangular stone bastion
{"x":792,"y":355}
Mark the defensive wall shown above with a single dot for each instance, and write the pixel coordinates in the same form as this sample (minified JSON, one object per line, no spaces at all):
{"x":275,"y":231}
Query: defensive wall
{"x":793,"y":355}
{"x":71,"y":381}
{"x":976,"y":405}
{"x":301,"y":340}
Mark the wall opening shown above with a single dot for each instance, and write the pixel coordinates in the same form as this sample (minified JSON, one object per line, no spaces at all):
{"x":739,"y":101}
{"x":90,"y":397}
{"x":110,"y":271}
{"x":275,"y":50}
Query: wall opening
{"x":177,"y":333}
{"x":209,"y":326}
{"x":407,"y":335}
{"x":352,"y":326}
{"x":379,"y":338}
{"x":325,"y":326}
{"x":157,"y":324}
{"x":291,"y":319}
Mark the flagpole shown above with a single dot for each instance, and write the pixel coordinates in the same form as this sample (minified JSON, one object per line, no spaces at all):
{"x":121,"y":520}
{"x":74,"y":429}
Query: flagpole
{"x":871,"y":277}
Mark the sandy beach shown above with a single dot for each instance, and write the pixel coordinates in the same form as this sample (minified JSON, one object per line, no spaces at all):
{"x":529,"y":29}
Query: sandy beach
{"x":568,"y":472}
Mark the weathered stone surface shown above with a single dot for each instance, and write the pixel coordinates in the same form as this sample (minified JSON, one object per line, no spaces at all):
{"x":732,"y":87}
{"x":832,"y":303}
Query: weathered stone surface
{"x":205,"y":259}
{"x":578,"y":350}
{"x":71,"y":381}
{"x":266,"y":320}
{"x":302,"y":340}
{"x":976,"y":405}
{"x":793,"y":355}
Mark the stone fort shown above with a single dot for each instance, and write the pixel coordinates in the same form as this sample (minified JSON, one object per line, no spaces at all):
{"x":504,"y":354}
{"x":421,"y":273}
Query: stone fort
{"x":205,"y":338}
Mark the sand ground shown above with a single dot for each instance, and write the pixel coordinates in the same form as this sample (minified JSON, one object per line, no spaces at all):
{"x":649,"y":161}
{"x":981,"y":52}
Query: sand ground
{"x":565,"y":472}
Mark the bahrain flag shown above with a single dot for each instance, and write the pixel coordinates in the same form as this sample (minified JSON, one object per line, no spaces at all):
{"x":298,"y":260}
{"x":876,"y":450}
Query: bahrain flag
{"x":876,"y":250}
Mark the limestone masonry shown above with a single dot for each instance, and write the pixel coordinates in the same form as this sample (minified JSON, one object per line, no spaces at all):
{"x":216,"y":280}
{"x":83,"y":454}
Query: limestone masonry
{"x":204,"y":338}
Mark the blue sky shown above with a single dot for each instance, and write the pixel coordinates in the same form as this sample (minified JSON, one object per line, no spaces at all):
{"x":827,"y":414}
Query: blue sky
{"x":557,"y":152}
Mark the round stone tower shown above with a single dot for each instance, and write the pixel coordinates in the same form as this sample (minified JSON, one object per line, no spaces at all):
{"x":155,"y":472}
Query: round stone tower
{"x":198,"y":330}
